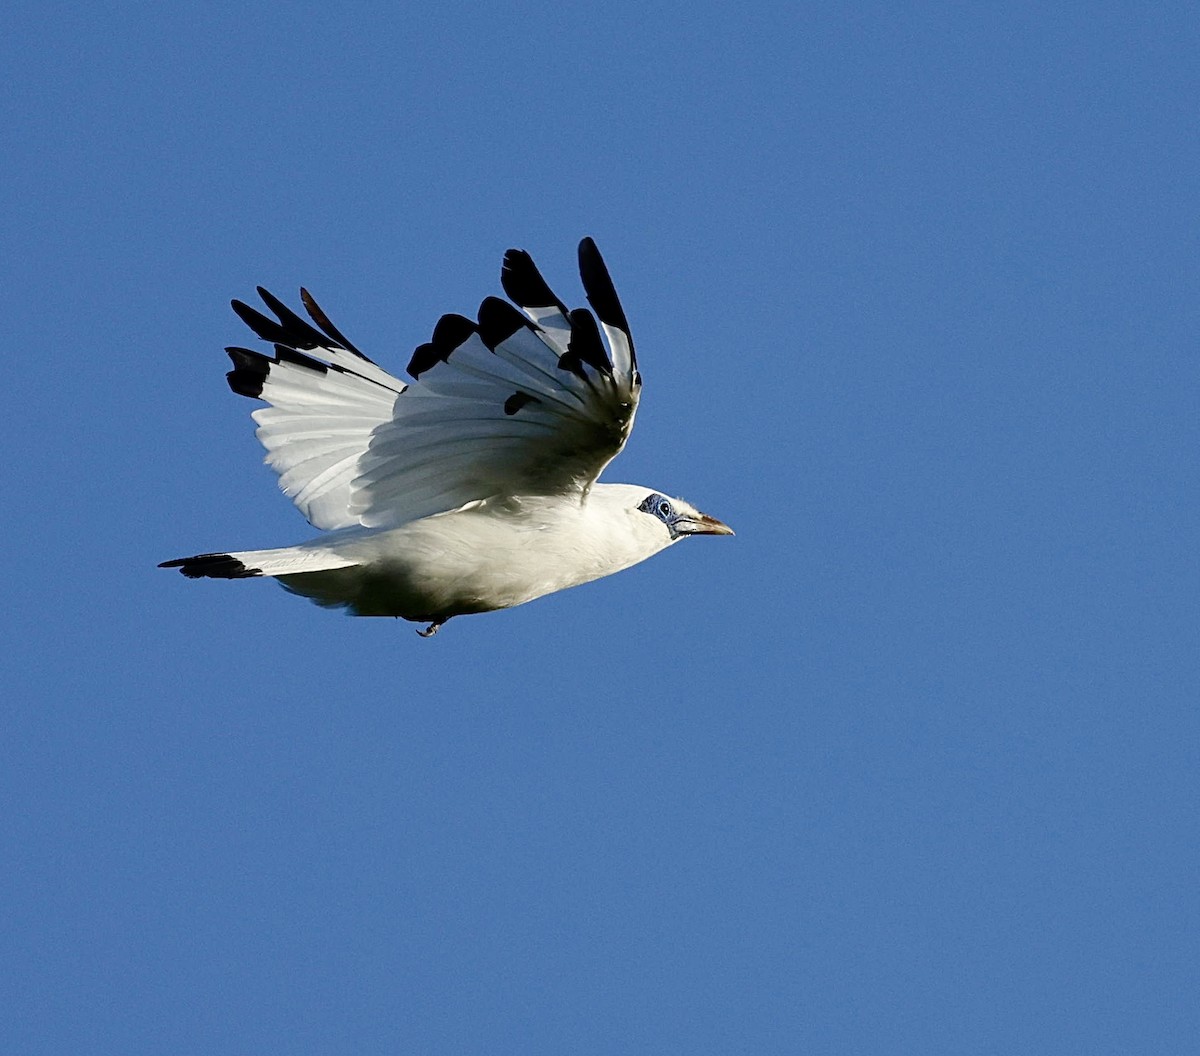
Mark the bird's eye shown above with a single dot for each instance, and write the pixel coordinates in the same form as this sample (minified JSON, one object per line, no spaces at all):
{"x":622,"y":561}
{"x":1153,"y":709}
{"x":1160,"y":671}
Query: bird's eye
{"x":664,"y":509}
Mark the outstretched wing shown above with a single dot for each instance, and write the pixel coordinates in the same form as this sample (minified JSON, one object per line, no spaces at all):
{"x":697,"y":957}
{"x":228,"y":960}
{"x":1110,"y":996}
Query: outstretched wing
{"x":506,"y":404}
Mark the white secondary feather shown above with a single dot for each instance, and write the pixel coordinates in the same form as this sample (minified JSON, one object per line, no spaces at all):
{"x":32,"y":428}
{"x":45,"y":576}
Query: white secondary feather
{"x":451,"y":439}
{"x":470,"y":487}
{"x":316,"y":431}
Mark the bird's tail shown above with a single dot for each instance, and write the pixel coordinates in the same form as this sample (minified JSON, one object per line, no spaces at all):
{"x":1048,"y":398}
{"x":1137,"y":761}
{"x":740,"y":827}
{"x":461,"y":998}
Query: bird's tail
{"x":289,"y":561}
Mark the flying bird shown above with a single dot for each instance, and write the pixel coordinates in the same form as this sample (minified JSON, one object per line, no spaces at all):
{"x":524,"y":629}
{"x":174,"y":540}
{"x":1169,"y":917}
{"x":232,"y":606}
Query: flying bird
{"x":470,"y":488}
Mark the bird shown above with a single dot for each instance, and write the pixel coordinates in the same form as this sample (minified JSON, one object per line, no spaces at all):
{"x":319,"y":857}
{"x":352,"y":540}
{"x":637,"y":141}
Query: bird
{"x":473,"y":485}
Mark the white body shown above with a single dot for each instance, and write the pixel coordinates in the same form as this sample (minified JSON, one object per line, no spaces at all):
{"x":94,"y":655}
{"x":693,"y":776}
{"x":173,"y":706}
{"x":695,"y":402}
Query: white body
{"x":489,"y":555}
{"x":471,"y":487}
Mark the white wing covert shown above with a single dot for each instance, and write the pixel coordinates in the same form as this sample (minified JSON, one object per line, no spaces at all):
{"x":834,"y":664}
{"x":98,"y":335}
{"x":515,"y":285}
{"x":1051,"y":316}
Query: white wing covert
{"x":508,"y":404}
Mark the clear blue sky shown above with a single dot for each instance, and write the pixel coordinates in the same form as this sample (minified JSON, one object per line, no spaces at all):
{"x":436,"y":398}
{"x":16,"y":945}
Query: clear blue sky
{"x":909,"y":766}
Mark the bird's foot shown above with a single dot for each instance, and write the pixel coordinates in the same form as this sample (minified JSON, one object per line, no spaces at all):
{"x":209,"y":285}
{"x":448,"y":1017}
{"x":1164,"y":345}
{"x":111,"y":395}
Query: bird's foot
{"x":431,"y":630}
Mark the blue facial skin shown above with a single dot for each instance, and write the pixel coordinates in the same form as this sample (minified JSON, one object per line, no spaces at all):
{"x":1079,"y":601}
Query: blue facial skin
{"x":659,"y":506}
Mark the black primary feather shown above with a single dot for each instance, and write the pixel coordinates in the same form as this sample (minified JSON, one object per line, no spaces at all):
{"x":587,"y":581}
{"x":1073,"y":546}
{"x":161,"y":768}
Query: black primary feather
{"x":498,"y":321}
{"x":251,"y":369}
{"x":322,"y":320}
{"x":524,"y":283}
{"x":586,"y":344}
{"x":298,"y":332}
{"x":212,"y":566}
{"x":451,"y":332}
{"x":601,"y":293}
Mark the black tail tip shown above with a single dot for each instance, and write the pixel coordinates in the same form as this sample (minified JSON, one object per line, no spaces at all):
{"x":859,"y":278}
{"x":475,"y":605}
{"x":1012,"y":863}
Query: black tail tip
{"x":212,"y":566}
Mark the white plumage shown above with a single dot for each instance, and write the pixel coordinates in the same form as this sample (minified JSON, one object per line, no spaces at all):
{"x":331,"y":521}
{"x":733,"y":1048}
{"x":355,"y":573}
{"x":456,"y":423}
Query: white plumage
{"x":473,"y":486}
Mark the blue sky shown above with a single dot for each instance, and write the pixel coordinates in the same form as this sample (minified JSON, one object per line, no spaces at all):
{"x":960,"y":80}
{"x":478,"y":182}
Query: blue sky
{"x":910,"y":765}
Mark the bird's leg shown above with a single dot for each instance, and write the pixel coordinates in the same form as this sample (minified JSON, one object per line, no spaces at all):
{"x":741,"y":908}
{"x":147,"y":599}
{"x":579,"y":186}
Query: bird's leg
{"x":431,"y":630}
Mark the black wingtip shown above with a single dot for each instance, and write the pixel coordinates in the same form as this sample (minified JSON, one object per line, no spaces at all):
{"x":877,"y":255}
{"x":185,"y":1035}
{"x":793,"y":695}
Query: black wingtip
{"x":498,"y":321}
{"x":423,"y":357}
{"x":267,"y":329}
{"x":585,"y":343}
{"x":212,"y":566}
{"x":291,"y":330}
{"x":451,"y":331}
{"x":322,"y":320}
{"x":601,"y":293}
{"x":598,"y":285}
{"x":251,"y":369}
{"x":524,"y":284}
{"x":298,"y":332}
{"x":249,"y":374}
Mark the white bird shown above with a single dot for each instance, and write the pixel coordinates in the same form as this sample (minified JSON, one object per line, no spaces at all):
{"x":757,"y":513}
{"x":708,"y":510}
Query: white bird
{"x":470,"y":488}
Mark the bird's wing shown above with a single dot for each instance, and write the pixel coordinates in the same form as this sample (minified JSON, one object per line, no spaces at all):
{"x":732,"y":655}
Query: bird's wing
{"x":507,"y":404}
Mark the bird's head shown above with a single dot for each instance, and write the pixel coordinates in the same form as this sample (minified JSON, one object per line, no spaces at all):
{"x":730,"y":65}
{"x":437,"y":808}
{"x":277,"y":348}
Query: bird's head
{"x":680,"y":518}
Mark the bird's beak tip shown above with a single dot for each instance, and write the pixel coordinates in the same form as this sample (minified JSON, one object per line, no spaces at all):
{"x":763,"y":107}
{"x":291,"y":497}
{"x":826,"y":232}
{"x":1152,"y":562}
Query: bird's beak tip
{"x":711,"y":526}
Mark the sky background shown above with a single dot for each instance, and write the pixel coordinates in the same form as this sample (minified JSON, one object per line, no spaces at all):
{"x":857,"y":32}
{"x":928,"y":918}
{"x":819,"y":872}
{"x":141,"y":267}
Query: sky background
{"x":908,"y":766}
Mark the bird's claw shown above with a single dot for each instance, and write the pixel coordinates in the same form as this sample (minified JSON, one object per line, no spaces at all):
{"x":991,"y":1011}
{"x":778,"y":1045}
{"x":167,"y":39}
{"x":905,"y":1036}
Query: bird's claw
{"x":431,"y":630}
